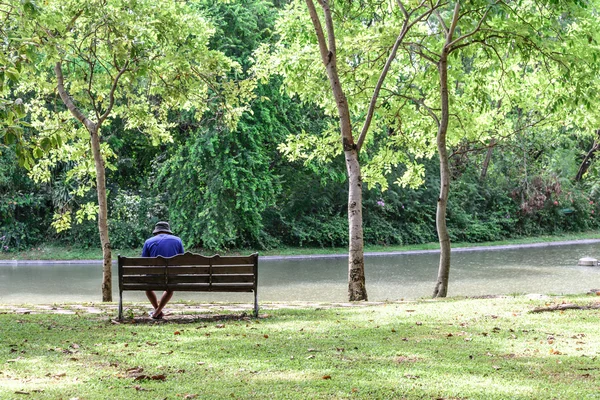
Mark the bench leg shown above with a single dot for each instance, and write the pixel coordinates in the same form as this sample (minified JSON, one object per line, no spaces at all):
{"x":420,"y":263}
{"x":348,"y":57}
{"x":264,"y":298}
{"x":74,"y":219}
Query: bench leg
{"x":120,"y":306}
{"x":255,"y":304}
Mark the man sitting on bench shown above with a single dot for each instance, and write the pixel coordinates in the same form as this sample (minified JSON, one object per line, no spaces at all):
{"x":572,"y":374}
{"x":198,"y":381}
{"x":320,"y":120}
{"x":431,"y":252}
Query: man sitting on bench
{"x":165,"y":244}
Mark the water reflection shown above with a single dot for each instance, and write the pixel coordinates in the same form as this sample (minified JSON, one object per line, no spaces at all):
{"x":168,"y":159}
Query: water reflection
{"x":550,"y":269}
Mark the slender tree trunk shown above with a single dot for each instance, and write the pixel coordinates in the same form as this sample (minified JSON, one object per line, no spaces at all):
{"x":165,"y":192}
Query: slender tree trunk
{"x":356,"y":264}
{"x":488,"y":158}
{"x":93,"y":129}
{"x":441,"y":287}
{"x":102,"y":218}
{"x":587,"y":161}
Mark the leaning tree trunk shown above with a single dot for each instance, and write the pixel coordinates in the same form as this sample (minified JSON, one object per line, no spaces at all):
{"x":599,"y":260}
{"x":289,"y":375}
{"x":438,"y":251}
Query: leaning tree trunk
{"x":441,"y":287}
{"x":488,"y":158}
{"x":102,"y":218}
{"x":587,"y":161}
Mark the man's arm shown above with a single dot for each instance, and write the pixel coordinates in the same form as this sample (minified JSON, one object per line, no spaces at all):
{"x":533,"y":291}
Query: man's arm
{"x":145,"y":252}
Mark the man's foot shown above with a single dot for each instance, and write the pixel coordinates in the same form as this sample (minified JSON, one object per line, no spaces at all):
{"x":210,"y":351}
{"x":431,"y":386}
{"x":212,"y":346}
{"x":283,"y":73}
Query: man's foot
{"x":160,"y":315}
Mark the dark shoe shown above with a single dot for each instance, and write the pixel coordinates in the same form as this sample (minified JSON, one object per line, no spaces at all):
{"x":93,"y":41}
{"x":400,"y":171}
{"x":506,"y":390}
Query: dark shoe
{"x":158,"y":316}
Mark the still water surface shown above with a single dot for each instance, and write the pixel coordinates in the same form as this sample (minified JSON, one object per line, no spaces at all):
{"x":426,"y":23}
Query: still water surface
{"x":546,"y":269}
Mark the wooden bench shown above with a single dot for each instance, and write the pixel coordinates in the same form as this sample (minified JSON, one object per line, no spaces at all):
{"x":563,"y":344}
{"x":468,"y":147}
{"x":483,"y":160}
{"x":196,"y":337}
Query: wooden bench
{"x":189,"y":272}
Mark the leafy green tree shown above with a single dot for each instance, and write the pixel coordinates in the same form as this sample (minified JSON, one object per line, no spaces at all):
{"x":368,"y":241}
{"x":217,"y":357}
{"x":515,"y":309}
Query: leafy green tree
{"x":360,"y":25}
{"x":110,"y":59}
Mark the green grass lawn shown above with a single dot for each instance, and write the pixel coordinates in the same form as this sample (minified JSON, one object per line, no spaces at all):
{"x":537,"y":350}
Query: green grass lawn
{"x":430,"y":349}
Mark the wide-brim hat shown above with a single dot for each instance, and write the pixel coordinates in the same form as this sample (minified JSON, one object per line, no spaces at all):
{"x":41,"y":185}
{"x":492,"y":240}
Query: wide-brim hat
{"x":162,"y":227}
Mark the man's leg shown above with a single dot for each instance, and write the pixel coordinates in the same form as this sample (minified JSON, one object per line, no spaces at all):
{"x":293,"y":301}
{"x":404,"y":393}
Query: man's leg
{"x":163,"y":302}
{"x":152,"y":297}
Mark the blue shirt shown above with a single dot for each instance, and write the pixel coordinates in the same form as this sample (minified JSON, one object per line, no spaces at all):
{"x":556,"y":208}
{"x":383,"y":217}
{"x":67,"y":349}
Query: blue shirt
{"x":164,"y":245}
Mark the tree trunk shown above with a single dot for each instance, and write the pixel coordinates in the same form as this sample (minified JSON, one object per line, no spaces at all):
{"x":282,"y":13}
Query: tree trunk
{"x":356,"y":264}
{"x":102,"y":218}
{"x":587,"y":161}
{"x":488,"y":158}
{"x":94,"y":129}
{"x":441,"y":287}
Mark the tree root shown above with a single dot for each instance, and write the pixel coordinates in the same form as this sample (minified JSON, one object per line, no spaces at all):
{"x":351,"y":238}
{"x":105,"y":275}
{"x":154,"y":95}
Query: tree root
{"x":562,"y":307}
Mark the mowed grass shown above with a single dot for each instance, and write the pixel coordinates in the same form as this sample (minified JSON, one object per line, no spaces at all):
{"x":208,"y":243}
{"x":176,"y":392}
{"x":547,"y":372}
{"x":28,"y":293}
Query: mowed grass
{"x":430,"y":349}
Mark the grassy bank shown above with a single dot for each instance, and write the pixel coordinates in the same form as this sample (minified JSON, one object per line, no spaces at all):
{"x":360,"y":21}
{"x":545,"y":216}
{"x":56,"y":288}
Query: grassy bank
{"x":443,"y":349}
{"x":55,"y":252}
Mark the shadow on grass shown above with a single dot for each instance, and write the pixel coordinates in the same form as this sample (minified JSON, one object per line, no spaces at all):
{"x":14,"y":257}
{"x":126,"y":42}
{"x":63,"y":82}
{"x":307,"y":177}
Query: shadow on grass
{"x":188,"y":319}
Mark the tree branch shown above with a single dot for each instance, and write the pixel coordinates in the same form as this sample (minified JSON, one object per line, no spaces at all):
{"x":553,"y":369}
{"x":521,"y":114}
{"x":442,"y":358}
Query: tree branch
{"x":68,"y":101}
{"x":406,"y":26}
{"x":319,"y":31}
{"x":453,"y":24}
{"x":474,"y":31}
{"x":112,"y":93}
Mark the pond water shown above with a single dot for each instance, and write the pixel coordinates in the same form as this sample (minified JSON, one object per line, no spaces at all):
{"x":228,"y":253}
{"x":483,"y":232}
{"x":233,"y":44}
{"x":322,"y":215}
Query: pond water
{"x":545,"y":269}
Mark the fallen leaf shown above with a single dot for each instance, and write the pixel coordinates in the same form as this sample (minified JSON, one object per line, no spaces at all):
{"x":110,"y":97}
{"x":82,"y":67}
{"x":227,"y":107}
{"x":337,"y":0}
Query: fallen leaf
{"x":176,"y":333}
{"x":141,"y":377}
{"x":135,"y":370}
{"x":140,"y":389}
{"x":74,"y":346}
{"x":160,"y":377}
{"x":190,"y":396}
{"x":220,"y":326}
{"x":266,"y":336}
{"x":326,"y":376}
{"x":418,"y":323}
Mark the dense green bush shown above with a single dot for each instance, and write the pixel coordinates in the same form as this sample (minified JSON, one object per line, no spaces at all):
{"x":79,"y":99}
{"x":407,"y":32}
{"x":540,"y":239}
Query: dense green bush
{"x":25,"y":209}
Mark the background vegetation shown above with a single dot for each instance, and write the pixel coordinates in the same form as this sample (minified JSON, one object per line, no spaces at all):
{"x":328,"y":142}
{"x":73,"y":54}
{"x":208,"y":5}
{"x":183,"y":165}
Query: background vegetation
{"x":225,"y":188}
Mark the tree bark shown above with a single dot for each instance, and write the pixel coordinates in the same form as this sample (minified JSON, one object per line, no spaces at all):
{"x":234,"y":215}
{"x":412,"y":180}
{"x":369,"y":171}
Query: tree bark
{"x":441,"y":287}
{"x":356,"y":265}
{"x":587,"y":161}
{"x":102,"y":218}
{"x":93,"y":130}
{"x":488,"y":158}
